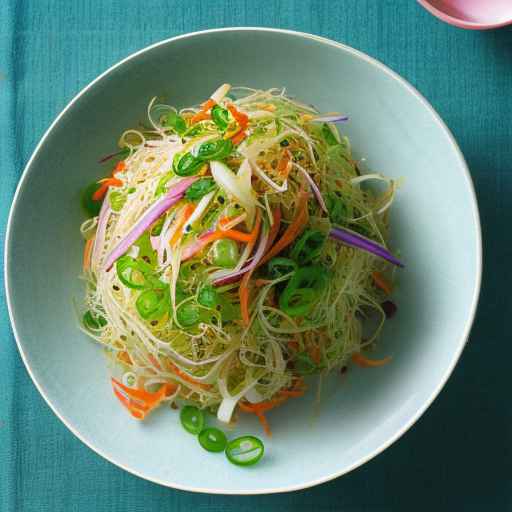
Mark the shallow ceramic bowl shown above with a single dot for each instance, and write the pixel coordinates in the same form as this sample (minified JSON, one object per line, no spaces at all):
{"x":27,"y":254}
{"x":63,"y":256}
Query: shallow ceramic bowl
{"x":435,"y":226}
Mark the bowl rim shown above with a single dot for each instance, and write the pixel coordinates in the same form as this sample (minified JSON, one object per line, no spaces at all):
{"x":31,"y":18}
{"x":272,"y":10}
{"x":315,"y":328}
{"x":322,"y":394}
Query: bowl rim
{"x":459,"y":22}
{"x":460,"y":343}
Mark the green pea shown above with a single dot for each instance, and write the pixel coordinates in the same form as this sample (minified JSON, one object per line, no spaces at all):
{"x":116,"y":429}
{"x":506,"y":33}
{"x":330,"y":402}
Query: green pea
{"x":245,"y":451}
{"x":212,"y":439}
{"x":192,"y":419}
{"x":225,"y":253}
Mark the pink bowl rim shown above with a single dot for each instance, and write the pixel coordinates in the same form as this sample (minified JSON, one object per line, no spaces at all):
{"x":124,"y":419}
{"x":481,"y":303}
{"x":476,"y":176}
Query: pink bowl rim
{"x":471,"y":25}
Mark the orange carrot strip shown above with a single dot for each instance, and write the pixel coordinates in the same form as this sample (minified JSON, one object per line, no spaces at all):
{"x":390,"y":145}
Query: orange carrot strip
{"x":187,"y":212}
{"x":364,"y":362}
{"x":382,"y":283}
{"x":292,"y":231}
{"x":264,"y":423}
{"x":121,"y":166}
{"x":141,"y":395}
{"x":282,"y":165}
{"x":314,"y":353}
{"x":109,"y":182}
{"x":203,"y":113}
{"x":241,"y":118}
{"x":238,"y":137}
{"x":261,"y":282}
{"x":87,"y":254}
{"x":140,"y":414}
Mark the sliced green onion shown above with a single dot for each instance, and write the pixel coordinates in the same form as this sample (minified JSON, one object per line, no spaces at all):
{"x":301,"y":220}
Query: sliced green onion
{"x":245,"y":450}
{"x":186,"y":165}
{"x":90,"y":205}
{"x":217,"y":149}
{"x":129,"y":379}
{"x":212,"y":439}
{"x":130,"y":272}
{"x":225,"y":253}
{"x":192,"y":419}
{"x":188,"y":314}
{"x":93,"y":322}
{"x":220,"y":117}
{"x":308,"y":247}
{"x":151,"y":304}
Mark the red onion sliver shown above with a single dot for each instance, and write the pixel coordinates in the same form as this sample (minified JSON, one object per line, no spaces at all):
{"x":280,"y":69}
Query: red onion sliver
{"x":330,"y":119}
{"x":314,"y":187}
{"x":155,"y":211}
{"x":355,"y":240}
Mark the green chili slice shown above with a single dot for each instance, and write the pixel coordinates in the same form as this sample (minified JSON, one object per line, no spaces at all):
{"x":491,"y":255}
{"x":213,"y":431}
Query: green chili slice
{"x":245,"y":450}
{"x":220,"y":117}
{"x":186,"y":165}
{"x":192,"y":419}
{"x":217,"y":149}
{"x":212,"y":439}
{"x":200,"y":188}
{"x":117,"y":200}
{"x":188,"y":314}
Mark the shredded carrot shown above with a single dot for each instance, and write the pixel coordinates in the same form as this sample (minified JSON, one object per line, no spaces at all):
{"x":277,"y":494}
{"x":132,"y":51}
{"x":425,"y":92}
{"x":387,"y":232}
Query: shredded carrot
{"x":203,"y":113}
{"x":120,"y":167}
{"x":266,"y":106}
{"x":105,"y":184}
{"x":135,"y":411}
{"x":261,"y":408}
{"x":283,"y":166}
{"x":238,"y":137}
{"x":292,"y":231}
{"x":364,"y":362}
{"x":87,"y":254}
{"x":187,"y":211}
{"x":382,"y":283}
{"x":241,"y":118}
{"x":144,"y":396}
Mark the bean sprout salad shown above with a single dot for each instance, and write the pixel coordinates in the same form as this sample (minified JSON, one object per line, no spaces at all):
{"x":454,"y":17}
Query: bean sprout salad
{"x":234,"y":248}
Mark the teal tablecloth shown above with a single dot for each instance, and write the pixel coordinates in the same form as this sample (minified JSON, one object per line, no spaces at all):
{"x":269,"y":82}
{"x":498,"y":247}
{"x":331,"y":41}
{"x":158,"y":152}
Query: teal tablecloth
{"x":459,"y":455}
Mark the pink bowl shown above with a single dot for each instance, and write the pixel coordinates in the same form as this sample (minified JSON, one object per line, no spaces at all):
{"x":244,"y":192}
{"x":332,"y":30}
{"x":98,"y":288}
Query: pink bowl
{"x":471,"y":14}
